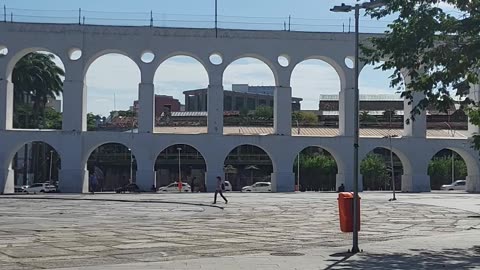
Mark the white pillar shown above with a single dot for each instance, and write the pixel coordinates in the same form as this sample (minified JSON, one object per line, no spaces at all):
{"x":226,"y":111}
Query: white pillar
{"x":416,"y":182}
{"x":283,"y":181}
{"x":215,"y":109}
{"x":473,"y":183}
{"x":211,"y":179}
{"x":6,"y":105}
{"x":6,"y":181}
{"x":474,"y":95}
{"x":146,"y":104}
{"x":346,"y":102}
{"x":73,"y":180}
{"x":74,"y":106}
{"x":282,"y":120}
{"x":415,"y":128}
{"x":145,"y":179}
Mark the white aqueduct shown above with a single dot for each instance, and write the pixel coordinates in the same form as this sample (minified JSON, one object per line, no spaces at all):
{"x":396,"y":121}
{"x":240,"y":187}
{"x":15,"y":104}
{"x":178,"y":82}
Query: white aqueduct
{"x":74,"y":144}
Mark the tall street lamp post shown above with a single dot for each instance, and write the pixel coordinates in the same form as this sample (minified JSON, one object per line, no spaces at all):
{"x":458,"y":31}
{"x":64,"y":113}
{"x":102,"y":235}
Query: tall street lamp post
{"x":356,"y":8}
{"x":131,"y":166}
{"x":50,"y":170}
{"x":179,"y":165}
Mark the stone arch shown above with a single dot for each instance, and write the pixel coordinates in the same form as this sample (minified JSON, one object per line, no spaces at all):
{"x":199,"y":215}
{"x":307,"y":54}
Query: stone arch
{"x":404,"y":160}
{"x":268,"y":62}
{"x":471,"y":162}
{"x":88,"y":151}
{"x":187,"y":170}
{"x":21,"y":53}
{"x":109,"y":184}
{"x":407,"y":165}
{"x":330,"y":61}
{"x":93,"y":57}
{"x":194,"y":79}
{"x":339,"y":166}
{"x":305,"y":65}
{"x":243,"y":164}
{"x":163,"y":58}
{"x":47,"y":143}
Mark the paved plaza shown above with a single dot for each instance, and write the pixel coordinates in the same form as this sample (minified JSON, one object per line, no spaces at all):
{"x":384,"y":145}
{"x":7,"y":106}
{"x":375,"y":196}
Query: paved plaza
{"x":252,"y":231}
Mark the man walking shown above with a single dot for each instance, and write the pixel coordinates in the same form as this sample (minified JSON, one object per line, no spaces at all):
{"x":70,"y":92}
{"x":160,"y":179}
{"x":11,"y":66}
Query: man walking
{"x":220,"y":187}
{"x":193,"y":184}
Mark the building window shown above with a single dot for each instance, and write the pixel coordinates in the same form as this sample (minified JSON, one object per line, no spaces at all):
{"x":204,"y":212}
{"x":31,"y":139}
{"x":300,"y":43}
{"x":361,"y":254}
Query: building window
{"x":227,"y":103}
{"x":239,"y":103}
{"x":251,"y":104}
{"x":262,"y":102}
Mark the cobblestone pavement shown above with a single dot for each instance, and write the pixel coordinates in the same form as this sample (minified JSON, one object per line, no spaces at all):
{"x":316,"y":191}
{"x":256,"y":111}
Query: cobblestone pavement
{"x":54,"y":231}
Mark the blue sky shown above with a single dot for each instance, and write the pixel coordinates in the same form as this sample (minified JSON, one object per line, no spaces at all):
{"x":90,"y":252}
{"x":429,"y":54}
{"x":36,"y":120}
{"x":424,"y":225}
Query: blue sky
{"x":310,"y":79}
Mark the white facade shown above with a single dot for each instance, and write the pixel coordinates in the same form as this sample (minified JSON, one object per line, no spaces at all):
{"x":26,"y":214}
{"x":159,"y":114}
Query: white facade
{"x":74,"y":144}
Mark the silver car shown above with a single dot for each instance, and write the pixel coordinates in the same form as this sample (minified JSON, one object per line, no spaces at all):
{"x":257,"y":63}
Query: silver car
{"x":457,"y":185}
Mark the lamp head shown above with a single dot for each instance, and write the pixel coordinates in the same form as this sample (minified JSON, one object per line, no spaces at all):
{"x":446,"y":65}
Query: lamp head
{"x":342,"y":8}
{"x":372,"y":4}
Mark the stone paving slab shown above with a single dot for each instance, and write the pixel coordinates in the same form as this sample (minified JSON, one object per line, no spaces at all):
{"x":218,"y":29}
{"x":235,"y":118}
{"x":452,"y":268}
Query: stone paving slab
{"x":48,"y":231}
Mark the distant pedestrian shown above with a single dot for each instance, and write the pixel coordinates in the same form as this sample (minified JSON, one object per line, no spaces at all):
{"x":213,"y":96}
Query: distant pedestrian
{"x":220,"y":187}
{"x":341,"y":188}
{"x":180,"y":185}
{"x":93,"y":183}
{"x":193,"y":184}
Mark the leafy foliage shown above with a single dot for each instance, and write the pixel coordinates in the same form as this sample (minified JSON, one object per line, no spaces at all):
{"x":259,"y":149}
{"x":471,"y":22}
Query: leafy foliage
{"x":307,"y":118}
{"x":374,"y":172}
{"x":264,"y":113}
{"x":436,"y":49}
{"x":36,"y":78}
{"x":440,"y":171}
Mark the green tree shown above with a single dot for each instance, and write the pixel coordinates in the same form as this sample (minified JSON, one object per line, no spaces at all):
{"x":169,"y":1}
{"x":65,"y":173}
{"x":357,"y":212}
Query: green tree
{"x":36,"y":78}
{"x":263,"y":113}
{"x":374,"y":172}
{"x":91,"y":121}
{"x":306,"y":118}
{"x":439,"y":49}
{"x":440,"y":171}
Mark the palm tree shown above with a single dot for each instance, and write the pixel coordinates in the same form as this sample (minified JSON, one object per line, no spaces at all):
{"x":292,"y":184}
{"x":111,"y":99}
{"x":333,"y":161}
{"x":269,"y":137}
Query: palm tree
{"x":36,"y":78}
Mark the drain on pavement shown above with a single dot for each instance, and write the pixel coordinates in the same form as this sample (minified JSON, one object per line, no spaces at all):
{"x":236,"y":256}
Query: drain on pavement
{"x":286,"y":254}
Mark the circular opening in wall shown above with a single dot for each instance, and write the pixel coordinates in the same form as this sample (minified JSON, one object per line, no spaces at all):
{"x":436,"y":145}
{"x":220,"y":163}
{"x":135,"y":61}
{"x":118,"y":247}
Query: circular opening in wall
{"x":75,"y":54}
{"x":147,"y":57}
{"x":284,"y":60}
{"x":349,"y":62}
{"x":3,"y":50}
{"x":216,"y":59}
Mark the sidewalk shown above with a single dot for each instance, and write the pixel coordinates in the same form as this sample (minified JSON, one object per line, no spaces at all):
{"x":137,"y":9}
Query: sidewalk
{"x":447,"y":251}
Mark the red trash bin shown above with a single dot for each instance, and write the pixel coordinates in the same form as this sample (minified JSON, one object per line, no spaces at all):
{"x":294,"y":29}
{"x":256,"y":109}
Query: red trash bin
{"x":345,"y":210}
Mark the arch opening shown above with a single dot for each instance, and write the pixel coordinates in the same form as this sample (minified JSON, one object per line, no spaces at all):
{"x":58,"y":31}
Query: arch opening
{"x":111,"y":166}
{"x":112,"y":93}
{"x":181,"y":96}
{"x":248,"y":168}
{"x":315,"y":170}
{"x":37,"y":79}
{"x":315,"y":89}
{"x":376,"y":170}
{"x":248,"y":97}
{"x":180,"y":162}
{"x":36,"y":167}
{"x":448,"y":170}
{"x":380,"y":104}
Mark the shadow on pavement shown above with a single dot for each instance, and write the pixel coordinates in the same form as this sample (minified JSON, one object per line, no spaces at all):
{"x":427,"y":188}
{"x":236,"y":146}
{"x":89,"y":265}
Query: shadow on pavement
{"x":419,"y":259}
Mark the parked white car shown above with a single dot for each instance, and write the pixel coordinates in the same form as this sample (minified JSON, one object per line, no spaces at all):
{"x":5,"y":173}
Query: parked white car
{"x":457,"y":185}
{"x":258,"y":187}
{"x":41,"y":188}
{"x":173,"y":187}
{"x":228,"y":186}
